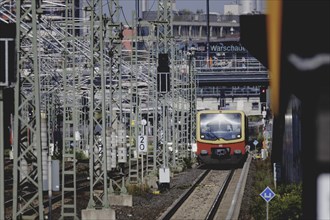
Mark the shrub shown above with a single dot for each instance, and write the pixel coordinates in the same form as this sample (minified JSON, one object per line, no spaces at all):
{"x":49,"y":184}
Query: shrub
{"x":137,"y":189}
{"x":80,"y":155}
{"x":287,"y":203}
{"x":188,"y":162}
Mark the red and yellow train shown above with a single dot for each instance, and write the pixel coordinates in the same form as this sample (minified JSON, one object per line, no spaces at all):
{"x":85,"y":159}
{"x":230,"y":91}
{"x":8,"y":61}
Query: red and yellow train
{"x":222,"y":136}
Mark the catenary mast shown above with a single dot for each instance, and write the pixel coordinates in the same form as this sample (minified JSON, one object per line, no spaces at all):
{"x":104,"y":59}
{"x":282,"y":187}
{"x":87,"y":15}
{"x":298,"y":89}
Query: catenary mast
{"x":27,"y":131}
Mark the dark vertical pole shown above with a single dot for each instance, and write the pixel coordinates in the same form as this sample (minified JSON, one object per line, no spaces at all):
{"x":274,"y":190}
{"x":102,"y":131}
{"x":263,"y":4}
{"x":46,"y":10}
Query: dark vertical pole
{"x":208,"y":31}
{"x":137,"y":8}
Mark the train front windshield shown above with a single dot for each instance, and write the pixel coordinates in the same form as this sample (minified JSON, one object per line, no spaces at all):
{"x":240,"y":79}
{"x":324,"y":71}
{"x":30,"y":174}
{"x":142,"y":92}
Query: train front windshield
{"x":218,"y":126}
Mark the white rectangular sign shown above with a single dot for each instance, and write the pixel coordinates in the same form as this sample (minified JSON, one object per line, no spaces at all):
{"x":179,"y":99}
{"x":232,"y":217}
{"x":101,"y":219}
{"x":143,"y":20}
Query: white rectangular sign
{"x":142,"y":144}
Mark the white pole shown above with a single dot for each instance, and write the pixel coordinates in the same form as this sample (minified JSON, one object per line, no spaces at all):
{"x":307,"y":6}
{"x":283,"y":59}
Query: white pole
{"x":50,"y":185}
{"x":142,"y":157}
{"x":274,"y":175}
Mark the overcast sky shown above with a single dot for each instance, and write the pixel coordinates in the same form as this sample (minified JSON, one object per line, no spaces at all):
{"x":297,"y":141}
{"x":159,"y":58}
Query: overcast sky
{"x":193,"y":5}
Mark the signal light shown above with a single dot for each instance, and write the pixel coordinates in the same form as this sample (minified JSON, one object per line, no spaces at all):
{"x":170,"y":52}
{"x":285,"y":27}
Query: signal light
{"x":163,"y":76}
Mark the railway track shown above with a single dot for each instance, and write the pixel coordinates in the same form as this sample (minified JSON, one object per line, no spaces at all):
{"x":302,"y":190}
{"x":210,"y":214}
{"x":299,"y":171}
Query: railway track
{"x":216,"y":194}
{"x":82,"y":185}
{"x":213,"y":184}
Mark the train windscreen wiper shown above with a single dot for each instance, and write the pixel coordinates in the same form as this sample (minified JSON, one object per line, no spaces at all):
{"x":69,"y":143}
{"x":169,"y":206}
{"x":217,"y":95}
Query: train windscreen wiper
{"x":214,"y":135}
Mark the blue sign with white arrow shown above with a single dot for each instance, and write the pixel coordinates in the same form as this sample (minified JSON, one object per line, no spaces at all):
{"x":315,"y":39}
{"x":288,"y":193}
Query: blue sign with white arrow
{"x":267,"y":194}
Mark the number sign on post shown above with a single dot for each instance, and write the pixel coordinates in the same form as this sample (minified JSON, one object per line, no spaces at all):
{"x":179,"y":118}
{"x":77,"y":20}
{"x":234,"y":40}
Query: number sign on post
{"x":142,"y":144}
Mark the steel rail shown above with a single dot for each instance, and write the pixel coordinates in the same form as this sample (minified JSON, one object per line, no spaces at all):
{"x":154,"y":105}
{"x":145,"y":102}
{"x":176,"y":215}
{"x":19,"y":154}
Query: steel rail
{"x":177,"y":204}
{"x":214,"y":208}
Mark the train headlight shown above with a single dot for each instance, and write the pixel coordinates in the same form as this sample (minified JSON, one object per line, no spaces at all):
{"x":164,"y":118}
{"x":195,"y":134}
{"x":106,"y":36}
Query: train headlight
{"x":203,"y":152}
{"x":237,"y":152}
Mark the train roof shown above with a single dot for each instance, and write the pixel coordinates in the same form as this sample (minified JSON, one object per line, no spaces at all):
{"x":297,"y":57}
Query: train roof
{"x":220,"y":111}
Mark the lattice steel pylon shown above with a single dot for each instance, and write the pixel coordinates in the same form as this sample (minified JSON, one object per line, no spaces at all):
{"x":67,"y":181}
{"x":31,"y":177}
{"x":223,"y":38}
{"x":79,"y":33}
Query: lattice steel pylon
{"x":193,"y":104}
{"x":116,"y":71}
{"x":133,"y":163}
{"x":97,"y":95}
{"x":165,"y":26}
{"x":70,"y":117}
{"x":164,"y":109}
{"x":151,"y":106}
{"x":27,"y":169}
{"x":178,"y":110}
